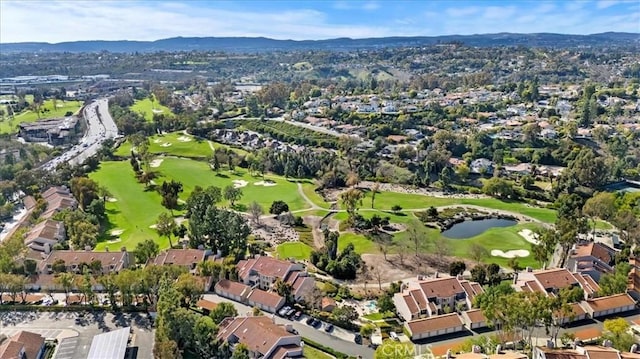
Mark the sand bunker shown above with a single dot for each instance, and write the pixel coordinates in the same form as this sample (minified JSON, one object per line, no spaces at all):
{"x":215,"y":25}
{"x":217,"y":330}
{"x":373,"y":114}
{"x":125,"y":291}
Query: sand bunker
{"x":117,"y":232}
{"x":111,"y":199}
{"x":166,"y":144}
{"x":184,"y":139}
{"x":155,"y":110}
{"x":157,"y":140}
{"x":529,"y":236}
{"x":153,"y":226}
{"x":265,"y":183}
{"x":156,"y":163}
{"x":510,"y":254}
{"x":181,"y":201}
{"x":240,"y":183}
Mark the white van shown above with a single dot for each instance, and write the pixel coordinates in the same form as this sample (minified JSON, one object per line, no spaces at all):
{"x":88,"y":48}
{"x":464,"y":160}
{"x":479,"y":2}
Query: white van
{"x":393,"y":336}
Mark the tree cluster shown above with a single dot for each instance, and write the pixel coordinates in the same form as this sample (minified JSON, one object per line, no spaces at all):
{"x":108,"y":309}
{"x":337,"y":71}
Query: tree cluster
{"x":343,"y":265}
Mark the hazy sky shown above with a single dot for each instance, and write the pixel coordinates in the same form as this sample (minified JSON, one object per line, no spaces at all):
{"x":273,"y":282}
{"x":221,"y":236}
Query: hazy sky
{"x":57,"y":21}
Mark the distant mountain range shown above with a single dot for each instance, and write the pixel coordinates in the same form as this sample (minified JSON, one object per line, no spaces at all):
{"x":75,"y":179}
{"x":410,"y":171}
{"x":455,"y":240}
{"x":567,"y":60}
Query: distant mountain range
{"x":262,"y":44}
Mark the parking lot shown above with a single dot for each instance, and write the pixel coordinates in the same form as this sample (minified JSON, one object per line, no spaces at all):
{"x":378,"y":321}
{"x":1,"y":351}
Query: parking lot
{"x":75,"y":332}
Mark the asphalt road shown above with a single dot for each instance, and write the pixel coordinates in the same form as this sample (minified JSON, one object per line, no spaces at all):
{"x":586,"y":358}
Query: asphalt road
{"x":78,"y":333}
{"x":339,"y":339}
{"x":100,"y":126}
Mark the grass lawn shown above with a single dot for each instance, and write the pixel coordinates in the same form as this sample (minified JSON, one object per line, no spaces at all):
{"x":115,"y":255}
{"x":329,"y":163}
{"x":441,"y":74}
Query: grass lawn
{"x":180,"y":146}
{"x":47,"y":111}
{"x":374,"y":316}
{"x":386,"y":200}
{"x":502,"y":238}
{"x":309,"y":190}
{"x":600,"y":224}
{"x":195,"y":173}
{"x":360,"y":243}
{"x":134,"y":211}
{"x":297,"y":250}
{"x":310,"y":352}
{"x":146,"y":108}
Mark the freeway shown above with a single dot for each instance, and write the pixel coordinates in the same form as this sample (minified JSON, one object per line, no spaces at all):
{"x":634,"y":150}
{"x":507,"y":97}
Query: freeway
{"x":100,"y":126}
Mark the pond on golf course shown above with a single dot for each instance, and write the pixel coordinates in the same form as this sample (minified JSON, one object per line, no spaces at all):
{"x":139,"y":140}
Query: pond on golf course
{"x":468,"y":229}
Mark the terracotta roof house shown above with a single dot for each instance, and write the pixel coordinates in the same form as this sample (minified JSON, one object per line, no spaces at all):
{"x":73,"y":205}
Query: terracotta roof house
{"x":432,"y":296}
{"x":44,"y":235}
{"x":474,"y":319}
{"x":206,"y":305}
{"x":550,"y":281}
{"x":76,"y":260}
{"x":58,"y":198}
{"x":187,"y":258}
{"x":22,"y":345}
{"x":301,"y":284}
{"x":591,"y":258}
{"x":612,"y":304}
{"x":232,"y":290}
{"x":328,"y":304}
{"x":577,"y":313}
{"x":268,"y":301}
{"x":263,"y":271}
{"x":262,"y":336}
{"x":435,"y":326}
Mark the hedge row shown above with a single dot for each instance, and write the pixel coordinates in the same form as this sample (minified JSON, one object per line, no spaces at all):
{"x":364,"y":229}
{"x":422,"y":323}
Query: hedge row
{"x":326,"y":349}
{"x":68,"y":308}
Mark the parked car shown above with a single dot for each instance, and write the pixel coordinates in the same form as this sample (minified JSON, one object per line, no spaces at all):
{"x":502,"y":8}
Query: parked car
{"x":290,"y":312}
{"x":328,"y":328}
{"x":316,"y":323}
{"x":297,"y":315}
{"x":282,"y":312}
{"x":358,"y":338}
{"x":310,"y":321}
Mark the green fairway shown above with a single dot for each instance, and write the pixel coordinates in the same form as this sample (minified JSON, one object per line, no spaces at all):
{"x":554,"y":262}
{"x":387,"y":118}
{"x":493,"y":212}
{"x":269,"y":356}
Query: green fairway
{"x":147,"y":109}
{"x":315,"y":197}
{"x":360,"y":243}
{"x":502,"y":238}
{"x":176,"y":144}
{"x":297,"y":250}
{"x":134,"y":210}
{"x":48,"y":110}
{"x":196,"y":173}
{"x":386,"y":200}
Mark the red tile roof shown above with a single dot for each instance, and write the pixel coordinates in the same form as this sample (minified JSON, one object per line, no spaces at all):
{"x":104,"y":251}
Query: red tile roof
{"x":419,"y":298}
{"x":181,"y":257}
{"x":259,"y":334}
{"x":233,"y":288}
{"x":476,"y":316}
{"x":611,"y":302}
{"x":206,"y":304}
{"x":411,"y":304}
{"x":441,"y":287}
{"x":268,"y":299}
{"x":266,"y":266}
{"x":555,"y":278}
{"x":433,"y":324}
{"x":32,"y":342}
